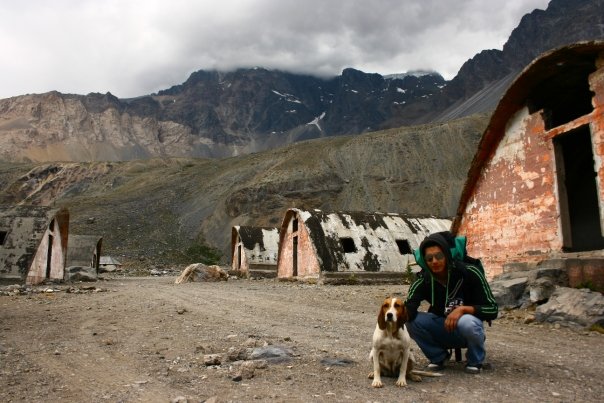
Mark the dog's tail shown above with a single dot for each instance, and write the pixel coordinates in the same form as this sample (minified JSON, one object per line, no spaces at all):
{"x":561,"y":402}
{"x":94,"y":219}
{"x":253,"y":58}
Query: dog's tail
{"x":426,"y":373}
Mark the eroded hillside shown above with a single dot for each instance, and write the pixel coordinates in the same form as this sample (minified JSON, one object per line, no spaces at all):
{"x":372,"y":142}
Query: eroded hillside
{"x":155,"y":210}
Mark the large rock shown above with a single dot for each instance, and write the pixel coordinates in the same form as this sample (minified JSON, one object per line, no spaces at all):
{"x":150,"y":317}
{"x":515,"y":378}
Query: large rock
{"x":201,"y":272}
{"x":508,"y":293}
{"x":581,"y":307}
{"x":528,"y":287}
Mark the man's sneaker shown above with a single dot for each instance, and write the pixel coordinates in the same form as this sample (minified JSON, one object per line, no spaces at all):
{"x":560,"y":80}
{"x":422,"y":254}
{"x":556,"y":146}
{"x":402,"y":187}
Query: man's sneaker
{"x":436,"y":366}
{"x":473,"y":369}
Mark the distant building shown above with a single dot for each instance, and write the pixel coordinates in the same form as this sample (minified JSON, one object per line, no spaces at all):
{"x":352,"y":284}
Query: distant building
{"x":33,"y":243}
{"x":535,"y":189}
{"x":320,"y":245}
{"x":254,"y":250}
{"x":84,"y":250}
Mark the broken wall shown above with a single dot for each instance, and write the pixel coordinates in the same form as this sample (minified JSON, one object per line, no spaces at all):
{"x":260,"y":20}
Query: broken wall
{"x":514,"y":213}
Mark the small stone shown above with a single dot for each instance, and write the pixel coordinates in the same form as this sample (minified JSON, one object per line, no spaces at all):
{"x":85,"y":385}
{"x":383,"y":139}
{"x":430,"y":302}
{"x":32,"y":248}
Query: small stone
{"x":212,"y":359}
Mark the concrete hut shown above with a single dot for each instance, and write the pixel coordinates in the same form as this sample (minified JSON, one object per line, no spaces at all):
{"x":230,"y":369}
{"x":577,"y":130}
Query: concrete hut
{"x":341,"y":246}
{"x":84,"y":251}
{"x":33,"y":243}
{"x":254,"y":250}
{"x":535,"y":189}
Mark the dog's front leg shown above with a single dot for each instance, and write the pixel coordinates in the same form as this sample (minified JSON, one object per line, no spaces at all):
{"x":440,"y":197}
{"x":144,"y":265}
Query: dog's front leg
{"x":377,"y":380}
{"x":402,"y":375}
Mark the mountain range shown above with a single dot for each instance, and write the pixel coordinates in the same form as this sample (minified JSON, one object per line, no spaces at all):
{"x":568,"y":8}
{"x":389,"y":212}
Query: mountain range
{"x":221,"y":114}
{"x":163,"y":177}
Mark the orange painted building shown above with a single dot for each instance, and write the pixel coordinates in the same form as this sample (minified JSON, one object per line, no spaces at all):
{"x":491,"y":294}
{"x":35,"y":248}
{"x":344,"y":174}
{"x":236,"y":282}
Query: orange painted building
{"x":535,"y":189}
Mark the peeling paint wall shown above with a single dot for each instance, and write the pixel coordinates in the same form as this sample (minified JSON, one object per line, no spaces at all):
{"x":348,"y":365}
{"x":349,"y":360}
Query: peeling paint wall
{"x":351,"y":242}
{"x":257,"y":246}
{"x":57,"y":232}
{"x":23,"y":254}
{"x":307,"y":261}
{"x":514,"y":213}
{"x":514,"y":209}
{"x":596,"y":83}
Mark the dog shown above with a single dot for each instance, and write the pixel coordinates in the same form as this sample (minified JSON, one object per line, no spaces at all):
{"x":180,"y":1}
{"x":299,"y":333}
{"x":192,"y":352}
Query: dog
{"x":391,"y":347}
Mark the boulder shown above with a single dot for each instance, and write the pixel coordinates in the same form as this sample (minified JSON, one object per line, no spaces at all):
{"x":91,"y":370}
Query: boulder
{"x":201,"y":272}
{"x":508,"y":293}
{"x":272,"y":354}
{"x":581,"y":307}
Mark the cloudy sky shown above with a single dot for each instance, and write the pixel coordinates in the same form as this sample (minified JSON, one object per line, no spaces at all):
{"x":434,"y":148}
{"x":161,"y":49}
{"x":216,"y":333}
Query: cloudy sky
{"x":136,"y":47}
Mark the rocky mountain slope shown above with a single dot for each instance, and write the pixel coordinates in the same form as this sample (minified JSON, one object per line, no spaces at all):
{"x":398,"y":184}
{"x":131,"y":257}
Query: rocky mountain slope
{"x":482,"y":80}
{"x":162,"y":210}
{"x":218,"y":114}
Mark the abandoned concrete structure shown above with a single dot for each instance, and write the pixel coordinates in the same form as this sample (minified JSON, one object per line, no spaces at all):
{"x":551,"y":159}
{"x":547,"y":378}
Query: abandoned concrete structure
{"x":84,"y":250}
{"x":254,"y":250}
{"x":535,"y":189}
{"x":315,"y":244}
{"x":33,"y":243}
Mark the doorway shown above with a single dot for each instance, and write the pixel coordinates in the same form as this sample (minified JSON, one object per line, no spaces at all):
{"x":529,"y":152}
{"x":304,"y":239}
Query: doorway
{"x":295,"y":257}
{"x":239,"y":257}
{"x":49,"y":256}
{"x":577,"y":187}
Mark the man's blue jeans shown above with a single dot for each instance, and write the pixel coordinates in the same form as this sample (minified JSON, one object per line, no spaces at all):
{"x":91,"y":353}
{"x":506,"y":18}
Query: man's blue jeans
{"x":428,"y":331}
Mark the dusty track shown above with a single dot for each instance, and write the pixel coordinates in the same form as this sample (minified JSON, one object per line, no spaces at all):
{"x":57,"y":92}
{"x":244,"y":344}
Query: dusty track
{"x":144,"y":340}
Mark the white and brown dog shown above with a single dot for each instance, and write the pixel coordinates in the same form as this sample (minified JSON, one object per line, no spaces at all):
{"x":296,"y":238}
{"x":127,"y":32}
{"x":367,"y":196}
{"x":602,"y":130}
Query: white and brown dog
{"x":391,"y":349}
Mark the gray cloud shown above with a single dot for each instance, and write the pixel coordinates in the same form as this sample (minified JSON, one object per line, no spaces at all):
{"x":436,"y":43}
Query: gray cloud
{"x":136,"y":47}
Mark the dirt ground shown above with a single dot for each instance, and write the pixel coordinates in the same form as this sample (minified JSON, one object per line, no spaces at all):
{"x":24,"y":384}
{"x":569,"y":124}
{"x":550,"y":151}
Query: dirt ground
{"x":147,"y":340}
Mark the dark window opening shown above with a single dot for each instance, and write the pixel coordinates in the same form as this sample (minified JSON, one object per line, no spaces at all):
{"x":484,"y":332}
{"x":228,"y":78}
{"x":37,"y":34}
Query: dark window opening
{"x":578,"y":192}
{"x":403,"y":247}
{"x":348,"y":245}
{"x":295,"y":225}
{"x":51,"y":226}
{"x":565,"y":95}
{"x":3,"y":237}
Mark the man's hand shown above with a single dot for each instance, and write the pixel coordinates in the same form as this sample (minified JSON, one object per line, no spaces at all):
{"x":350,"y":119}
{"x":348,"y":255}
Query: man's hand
{"x":453,"y":317}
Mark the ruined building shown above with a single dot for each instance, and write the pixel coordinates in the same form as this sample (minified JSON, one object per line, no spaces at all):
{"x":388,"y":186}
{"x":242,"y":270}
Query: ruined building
{"x":535,"y":189}
{"x":33,"y":243}
{"x":254,"y":250}
{"x":314,"y":244}
{"x":84,"y":251}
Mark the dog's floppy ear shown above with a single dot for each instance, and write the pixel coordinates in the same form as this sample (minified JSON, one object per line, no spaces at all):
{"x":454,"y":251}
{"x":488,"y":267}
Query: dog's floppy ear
{"x":401,"y":314}
{"x":381,"y":317}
